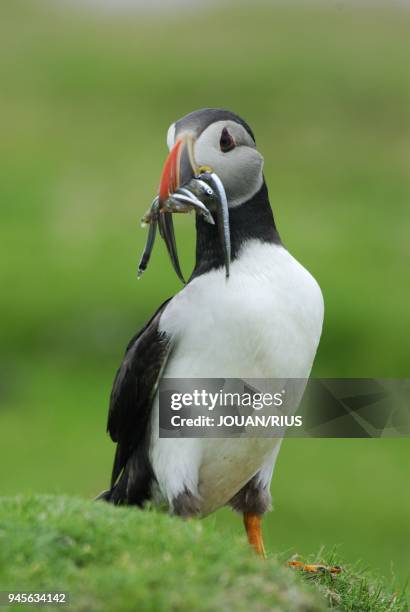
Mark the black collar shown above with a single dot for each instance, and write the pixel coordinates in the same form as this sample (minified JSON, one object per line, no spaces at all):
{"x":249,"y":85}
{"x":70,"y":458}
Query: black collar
{"x":251,"y":220}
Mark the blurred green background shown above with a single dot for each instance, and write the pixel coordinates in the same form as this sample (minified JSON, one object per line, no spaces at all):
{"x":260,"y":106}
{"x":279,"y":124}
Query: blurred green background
{"x":85,"y":102}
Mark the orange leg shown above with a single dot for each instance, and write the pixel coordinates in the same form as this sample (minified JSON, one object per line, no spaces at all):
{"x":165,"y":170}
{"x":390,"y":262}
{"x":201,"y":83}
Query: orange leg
{"x":253,"y":526}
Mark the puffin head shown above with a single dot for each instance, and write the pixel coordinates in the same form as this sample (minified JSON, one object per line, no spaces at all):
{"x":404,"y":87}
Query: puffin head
{"x":218,"y":140}
{"x":214,"y":168}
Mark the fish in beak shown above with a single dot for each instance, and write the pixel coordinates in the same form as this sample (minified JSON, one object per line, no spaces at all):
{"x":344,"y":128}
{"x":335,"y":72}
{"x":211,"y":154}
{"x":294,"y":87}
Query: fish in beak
{"x":184,"y":187}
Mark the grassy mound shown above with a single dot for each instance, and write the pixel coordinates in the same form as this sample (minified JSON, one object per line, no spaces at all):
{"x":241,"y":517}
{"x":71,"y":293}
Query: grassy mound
{"x":123,"y":559}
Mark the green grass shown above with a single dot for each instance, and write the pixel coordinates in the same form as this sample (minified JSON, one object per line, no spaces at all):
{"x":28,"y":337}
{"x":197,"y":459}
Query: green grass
{"x":124,"y":559}
{"x":85,"y":103}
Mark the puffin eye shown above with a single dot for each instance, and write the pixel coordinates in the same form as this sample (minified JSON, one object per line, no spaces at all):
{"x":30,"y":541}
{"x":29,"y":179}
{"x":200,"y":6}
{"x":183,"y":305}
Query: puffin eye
{"x":226,"y":141}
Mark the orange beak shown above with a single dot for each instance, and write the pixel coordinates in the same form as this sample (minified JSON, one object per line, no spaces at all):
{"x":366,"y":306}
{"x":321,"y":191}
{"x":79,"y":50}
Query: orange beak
{"x":178,"y":169}
{"x":181,"y":178}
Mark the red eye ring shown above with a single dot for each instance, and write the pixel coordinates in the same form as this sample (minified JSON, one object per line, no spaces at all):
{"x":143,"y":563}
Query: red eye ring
{"x":226,"y":141}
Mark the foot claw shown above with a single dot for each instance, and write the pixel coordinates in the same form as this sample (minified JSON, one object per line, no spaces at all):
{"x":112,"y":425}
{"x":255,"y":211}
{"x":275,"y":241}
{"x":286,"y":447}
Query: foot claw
{"x":315,"y":568}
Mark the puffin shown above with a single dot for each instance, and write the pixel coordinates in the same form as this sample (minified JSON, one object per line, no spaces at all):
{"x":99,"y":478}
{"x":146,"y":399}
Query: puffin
{"x":249,"y":310}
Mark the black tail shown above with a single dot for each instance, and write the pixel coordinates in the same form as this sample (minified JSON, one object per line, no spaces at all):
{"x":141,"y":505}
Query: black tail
{"x":133,"y":487}
{"x":104,"y":495}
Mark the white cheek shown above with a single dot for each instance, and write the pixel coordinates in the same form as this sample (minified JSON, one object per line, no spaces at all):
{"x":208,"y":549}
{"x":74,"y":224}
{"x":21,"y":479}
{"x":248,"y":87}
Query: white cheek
{"x":206,"y":155}
{"x":239,"y":170}
{"x":244,"y":176}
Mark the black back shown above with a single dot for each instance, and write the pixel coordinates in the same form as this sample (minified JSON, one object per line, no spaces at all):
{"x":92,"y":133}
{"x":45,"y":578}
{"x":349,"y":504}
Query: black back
{"x":129,"y":415}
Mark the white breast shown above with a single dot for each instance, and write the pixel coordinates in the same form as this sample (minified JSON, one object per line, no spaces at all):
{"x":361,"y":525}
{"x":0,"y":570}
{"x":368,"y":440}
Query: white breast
{"x":265,"y":321}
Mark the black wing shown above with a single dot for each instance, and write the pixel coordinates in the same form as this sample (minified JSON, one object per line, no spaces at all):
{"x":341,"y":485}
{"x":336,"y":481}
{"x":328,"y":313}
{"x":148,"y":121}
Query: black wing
{"x":134,"y":388}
